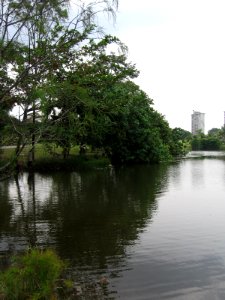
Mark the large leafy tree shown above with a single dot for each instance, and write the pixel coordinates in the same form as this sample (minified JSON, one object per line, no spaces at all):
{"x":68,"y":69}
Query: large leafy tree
{"x":36,"y":38}
{"x":99,"y":105}
{"x":80,"y":91}
{"x":71,"y":89}
{"x":136,"y":131}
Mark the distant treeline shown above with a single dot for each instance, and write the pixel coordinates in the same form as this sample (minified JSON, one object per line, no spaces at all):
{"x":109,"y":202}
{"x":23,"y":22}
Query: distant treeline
{"x":214,"y":140}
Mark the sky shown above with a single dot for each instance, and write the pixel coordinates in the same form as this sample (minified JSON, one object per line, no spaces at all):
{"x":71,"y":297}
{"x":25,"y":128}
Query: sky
{"x":179,"y":48}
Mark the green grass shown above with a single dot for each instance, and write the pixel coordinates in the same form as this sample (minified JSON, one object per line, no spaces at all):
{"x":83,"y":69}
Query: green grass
{"x":31,"y":276}
{"x":44,"y":161}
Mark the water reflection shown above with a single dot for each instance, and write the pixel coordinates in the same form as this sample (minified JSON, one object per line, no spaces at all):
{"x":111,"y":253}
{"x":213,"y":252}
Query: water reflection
{"x":103,"y":213}
{"x":157,"y":232}
{"x":90,"y":217}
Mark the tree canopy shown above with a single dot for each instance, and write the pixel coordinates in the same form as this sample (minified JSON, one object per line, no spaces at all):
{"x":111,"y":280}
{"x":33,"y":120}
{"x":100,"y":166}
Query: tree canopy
{"x":70,"y":88}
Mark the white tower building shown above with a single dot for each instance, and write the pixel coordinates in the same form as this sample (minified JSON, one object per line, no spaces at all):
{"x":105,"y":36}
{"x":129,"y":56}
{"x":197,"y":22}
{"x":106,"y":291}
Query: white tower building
{"x":197,"y":122}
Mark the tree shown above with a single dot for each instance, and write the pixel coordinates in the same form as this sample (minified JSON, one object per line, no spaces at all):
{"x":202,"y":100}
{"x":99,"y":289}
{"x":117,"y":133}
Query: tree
{"x":196,"y":143}
{"x":181,"y":141}
{"x":206,"y":142}
{"x":36,"y":37}
{"x":181,"y":134}
{"x":214,"y":131}
{"x":83,"y":89}
{"x":36,"y":22}
{"x":107,"y":110}
{"x":135,"y":131}
{"x":70,"y":88}
{"x":210,"y":143}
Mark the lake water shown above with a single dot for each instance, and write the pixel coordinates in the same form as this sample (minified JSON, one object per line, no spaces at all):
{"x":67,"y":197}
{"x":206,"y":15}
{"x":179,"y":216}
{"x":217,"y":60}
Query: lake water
{"x":155,"y":232}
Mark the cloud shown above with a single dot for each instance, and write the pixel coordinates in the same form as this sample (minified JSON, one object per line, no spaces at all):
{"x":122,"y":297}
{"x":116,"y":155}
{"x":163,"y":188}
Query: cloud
{"x":178,"y":46}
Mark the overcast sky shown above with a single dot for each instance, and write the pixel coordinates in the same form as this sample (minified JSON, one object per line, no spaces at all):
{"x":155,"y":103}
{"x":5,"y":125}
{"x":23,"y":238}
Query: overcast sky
{"x":179,"y":48}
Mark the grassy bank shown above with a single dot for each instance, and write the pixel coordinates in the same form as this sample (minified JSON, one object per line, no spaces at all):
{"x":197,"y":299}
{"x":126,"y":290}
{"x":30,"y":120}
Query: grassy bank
{"x":45,"y":162}
{"x":72,"y":163}
{"x":42,"y":275}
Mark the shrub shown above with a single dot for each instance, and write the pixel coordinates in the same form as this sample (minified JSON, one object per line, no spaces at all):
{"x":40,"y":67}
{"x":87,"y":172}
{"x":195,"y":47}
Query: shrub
{"x":31,"y":276}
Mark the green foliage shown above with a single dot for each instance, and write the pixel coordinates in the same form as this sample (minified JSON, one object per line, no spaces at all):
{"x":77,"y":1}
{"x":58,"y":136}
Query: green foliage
{"x":136,"y":133}
{"x":208,"y":142}
{"x":181,"y":134}
{"x":31,"y":276}
{"x":84,"y":95}
{"x":214,"y":132}
{"x":180,"y":141}
{"x":74,"y":91}
{"x":37,"y":51}
{"x":196,"y":143}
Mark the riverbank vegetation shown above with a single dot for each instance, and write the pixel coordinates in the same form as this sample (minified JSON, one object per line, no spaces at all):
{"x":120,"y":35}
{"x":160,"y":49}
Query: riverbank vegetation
{"x":69,"y":85}
{"x":33,"y":275}
{"x":214,"y":140}
{"x":42,"y":275}
{"x":48,"y":161}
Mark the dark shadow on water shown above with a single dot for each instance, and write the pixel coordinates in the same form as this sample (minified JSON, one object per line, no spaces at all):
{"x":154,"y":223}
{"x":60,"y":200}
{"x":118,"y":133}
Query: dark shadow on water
{"x":97,"y":211}
{"x":91,"y":218}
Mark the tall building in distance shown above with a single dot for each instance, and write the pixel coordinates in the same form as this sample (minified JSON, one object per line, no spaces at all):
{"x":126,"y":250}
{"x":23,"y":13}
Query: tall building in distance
{"x":197,"y":122}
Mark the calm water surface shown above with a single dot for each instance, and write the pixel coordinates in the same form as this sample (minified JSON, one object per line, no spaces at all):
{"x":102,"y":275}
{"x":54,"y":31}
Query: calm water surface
{"x":156,"y":232}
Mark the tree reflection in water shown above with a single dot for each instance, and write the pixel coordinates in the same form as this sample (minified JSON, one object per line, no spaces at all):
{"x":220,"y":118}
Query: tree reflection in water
{"x":92,"y":218}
